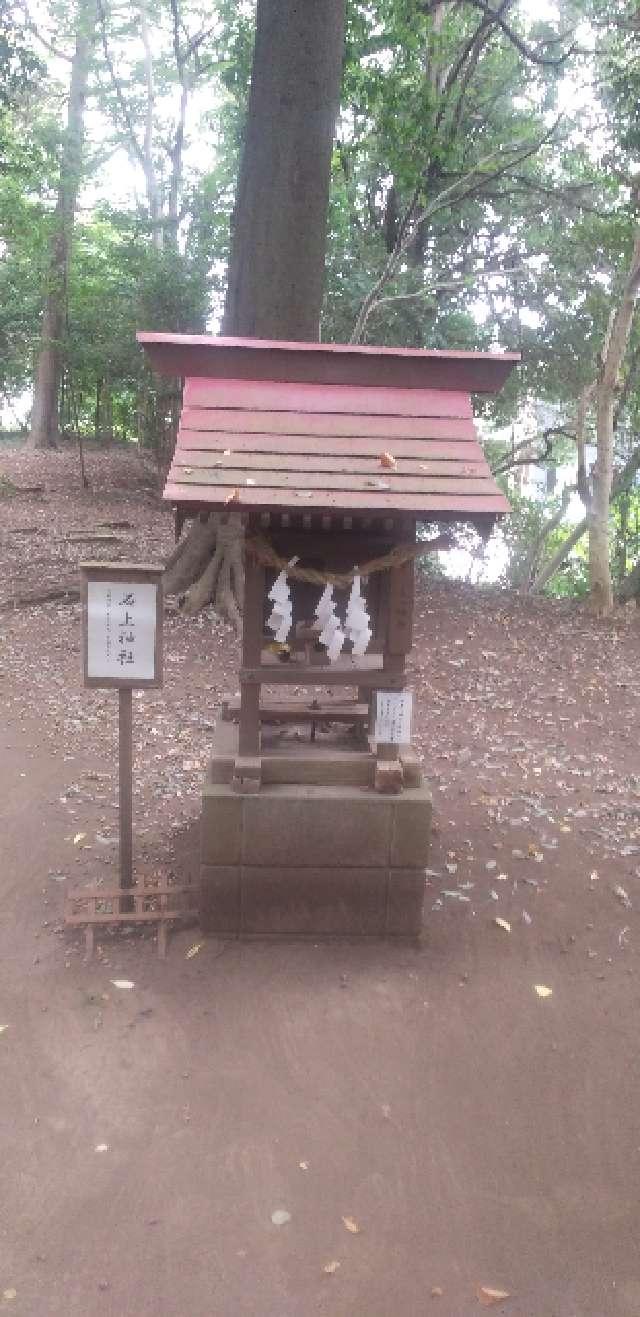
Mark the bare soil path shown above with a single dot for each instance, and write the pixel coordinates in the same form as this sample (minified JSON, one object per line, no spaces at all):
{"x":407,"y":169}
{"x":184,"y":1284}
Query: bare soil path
{"x":476,"y":1133}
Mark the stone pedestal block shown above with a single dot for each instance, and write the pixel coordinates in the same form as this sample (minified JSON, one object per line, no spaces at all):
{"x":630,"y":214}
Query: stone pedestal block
{"x":314,"y":860}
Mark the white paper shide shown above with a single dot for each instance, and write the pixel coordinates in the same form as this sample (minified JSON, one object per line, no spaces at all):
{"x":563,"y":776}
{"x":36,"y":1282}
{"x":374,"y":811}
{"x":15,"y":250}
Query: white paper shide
{"x":280,"y":618}
{"x":331,"y":635}
{"x":357,"y":621}
{"x":121,"y":630}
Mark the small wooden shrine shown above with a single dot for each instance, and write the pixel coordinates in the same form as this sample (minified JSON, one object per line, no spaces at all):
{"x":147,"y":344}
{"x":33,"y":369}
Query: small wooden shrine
{"x":316,"y":818}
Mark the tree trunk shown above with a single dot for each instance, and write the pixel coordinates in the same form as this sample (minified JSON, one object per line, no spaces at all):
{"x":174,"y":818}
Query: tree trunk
{"x":598,"y":492}
{"x":154,"y":197}
{"x":276,"y":269}
{"x":533,"y":556}
{"x":600,"y":585}
{"x":44,"y":417}
{"x":621,"y":484}
{"x":613,"y":354}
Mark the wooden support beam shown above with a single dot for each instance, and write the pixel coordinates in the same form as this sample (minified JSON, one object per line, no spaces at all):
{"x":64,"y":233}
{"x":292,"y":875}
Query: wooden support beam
{"x":249,"y":738}
{"x":299,"y":674}
{"x":400,"y":622}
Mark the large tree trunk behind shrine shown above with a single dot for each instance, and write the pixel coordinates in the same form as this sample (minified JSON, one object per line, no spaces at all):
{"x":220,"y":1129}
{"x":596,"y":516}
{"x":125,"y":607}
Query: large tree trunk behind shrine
{"x":276,"y":271}
{"x":278,"y":239}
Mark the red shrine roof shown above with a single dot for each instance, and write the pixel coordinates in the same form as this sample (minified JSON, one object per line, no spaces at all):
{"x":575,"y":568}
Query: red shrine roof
{"x":318,"y":426}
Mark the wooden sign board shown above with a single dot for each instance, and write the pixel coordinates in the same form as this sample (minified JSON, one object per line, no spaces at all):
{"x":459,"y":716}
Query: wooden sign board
{"x":121,"y":624}
{"x":393,"y":717}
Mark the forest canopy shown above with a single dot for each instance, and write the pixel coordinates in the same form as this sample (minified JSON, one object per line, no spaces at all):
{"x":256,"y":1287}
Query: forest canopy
{"x":483,"y":194}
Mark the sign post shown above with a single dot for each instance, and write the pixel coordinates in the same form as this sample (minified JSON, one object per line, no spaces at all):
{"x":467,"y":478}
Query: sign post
{"x":122,"y":650}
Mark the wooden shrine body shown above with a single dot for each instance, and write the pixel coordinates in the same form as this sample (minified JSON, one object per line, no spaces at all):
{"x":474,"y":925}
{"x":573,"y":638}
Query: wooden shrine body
{"x":328,"y":543}
{"x":332,"y":456}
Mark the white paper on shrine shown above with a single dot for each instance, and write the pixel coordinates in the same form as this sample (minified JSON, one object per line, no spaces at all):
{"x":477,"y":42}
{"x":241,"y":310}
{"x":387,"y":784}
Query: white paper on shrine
{"x":393,"y":717}
{"x":280,"y":619}
{"x":357,"y":621}
{"x":121,"y":630}
{"x":334,"y":646}
{"x":331,"y":635}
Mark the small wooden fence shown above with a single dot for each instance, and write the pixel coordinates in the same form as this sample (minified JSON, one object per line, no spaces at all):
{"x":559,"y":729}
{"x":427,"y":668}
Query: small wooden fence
{"x":89,"y":907}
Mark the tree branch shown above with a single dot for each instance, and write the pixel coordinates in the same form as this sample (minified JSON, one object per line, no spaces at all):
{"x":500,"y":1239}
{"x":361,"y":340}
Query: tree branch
{"x":531,"y":459}
{"x":457,"y":191}
{"x":521,"y":46}
{"x":135,"y":147}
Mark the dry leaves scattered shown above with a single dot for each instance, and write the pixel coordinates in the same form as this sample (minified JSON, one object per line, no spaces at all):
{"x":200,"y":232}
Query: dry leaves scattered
{"x":488,"y":1296}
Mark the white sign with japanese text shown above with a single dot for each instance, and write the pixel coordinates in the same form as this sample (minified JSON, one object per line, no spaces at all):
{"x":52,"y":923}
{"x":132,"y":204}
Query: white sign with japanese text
{"x":121,"y":629}
{"x":393,"y":717}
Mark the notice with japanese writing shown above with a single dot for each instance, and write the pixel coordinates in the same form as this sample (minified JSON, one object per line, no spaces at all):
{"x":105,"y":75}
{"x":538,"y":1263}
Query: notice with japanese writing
{"x":121,"y":630}
{"x":393,"y":717}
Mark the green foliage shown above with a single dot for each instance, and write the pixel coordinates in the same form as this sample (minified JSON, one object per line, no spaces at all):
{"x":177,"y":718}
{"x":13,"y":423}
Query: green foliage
{"x":518,"y":234}
{"x":21,"y":69}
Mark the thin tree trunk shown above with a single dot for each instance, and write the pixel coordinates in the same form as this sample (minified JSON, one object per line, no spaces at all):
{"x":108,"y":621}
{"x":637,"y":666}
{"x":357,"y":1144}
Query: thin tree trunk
{"x":44,"y":417}
{"x":615,"y":347}
{"x":545,"y":531}
{"x":154,"y":198}
{"x":276,"y":270}
{"x":622,"y":482}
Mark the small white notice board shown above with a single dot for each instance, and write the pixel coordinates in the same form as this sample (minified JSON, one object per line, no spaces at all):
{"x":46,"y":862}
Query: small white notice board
{"x":122,"y":616}
{"x":121,"y":629}
{"x":393,"y":717}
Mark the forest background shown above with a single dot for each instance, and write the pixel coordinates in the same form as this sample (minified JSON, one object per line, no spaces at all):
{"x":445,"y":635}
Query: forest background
{"x":483,"y":195}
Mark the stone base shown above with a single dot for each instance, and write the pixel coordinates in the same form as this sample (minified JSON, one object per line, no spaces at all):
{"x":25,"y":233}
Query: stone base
{"x":300,"y":859}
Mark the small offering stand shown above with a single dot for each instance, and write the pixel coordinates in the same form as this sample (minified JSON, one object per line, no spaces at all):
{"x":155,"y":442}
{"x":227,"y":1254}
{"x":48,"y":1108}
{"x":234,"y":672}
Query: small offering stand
{"x":315,"y":816}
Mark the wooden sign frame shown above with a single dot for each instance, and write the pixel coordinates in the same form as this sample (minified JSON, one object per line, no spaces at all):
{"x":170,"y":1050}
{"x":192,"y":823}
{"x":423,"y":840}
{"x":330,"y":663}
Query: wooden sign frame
{"x":126,"y":573}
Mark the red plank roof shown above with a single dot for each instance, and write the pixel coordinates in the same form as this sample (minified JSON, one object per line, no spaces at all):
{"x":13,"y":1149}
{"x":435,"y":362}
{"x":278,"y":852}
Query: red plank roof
{"x":375,"y":443}
{"x":325,"y":363}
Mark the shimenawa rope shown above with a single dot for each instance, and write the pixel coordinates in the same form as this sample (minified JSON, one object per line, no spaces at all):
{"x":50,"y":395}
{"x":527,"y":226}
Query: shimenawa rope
{"x":257,"y":547}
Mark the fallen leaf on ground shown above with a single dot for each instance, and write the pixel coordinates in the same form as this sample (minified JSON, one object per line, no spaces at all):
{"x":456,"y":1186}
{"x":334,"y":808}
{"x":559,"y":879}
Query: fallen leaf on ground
{"x":488,"y":1296}
{"x":233,"y":497}
{"x":330,"y":1268}
{"x":125,"y":984}
{"x":8,"y":1295}
{"x":102,"y":1147}
{"x":280,"y":1216}
{"x":304,"y":1166}
{"x":193,"y":951}
{"x":351,"y":1225}
{"x":388,"y":460}
{"x":542,"y":991}
{"x":437,"y":1291}
{"x":622,"y":896}
{"x":80,"y":836}
{"x":503,"y":923}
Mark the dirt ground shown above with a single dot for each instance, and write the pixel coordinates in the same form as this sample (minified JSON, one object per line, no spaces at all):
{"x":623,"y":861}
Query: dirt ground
{"x":474,"y":1132}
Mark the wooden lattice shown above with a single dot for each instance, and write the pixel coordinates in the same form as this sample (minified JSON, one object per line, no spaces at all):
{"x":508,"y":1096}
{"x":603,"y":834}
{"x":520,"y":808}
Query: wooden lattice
{"x":161,"y":905}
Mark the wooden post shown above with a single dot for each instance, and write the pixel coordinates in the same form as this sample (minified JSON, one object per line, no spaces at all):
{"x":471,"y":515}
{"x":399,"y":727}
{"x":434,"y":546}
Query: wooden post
{"x":125,"y":786}
{"x":248,"y":771}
